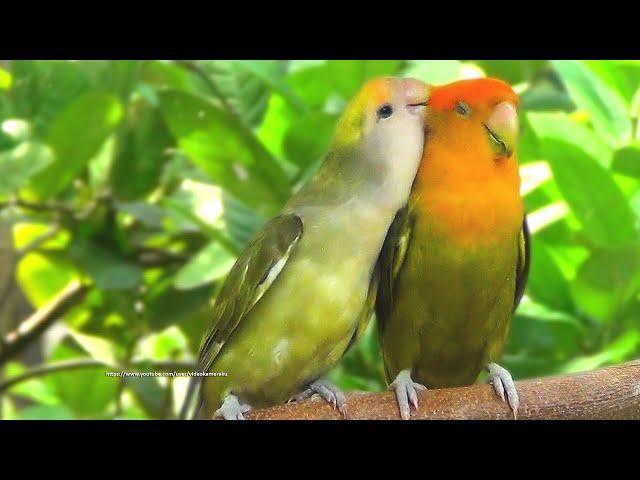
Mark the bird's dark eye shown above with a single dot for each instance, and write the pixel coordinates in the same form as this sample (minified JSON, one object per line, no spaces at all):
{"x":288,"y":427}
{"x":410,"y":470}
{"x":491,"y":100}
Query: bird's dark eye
{"x":385,"y":111}
{"x":463,"y":109}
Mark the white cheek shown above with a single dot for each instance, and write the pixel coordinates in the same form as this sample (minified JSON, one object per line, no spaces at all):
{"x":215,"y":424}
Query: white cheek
{"x":402,"y":153}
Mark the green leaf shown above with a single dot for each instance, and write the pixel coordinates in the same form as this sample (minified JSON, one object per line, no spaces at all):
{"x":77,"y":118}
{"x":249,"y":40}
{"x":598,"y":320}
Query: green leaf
{"x":141,"y":154}
{"x":312,"y":83}
{"x":607,"y":281}
{"x":97,"y":347}
{"x":593,"y":195}
{"x":546,"y":282}
{"x":541,"y":339}
{"x":19,"y":164}
{"x":105,"y":265}
{"x":151,"y":395}
{"x":561,"y":126}
{"x":434,"y":72}
{"x":209,"y":264}
{"x":272,"y":73}
{"x":606,"y":109}
{"x":546,"y":96}
{"x":621,"y":349}
{"x":75,"y":136}
{"x":627,"y":161}
{"x":240,"y":222}
{"x":165,"y":345}
{"x":156,"y":75}
{"x":512,"y":71}
{"x":42,"y":275}
{"x":226,"y":151}
{"x":309,"y":138}
{"x":87,"y":392}
{"x":612,"y":75}
{"x":246,"y":85}
{"x":34,"y":389}
{"x":189,"y":309}
{"x":5,"y":79}
{"x":349,"y":75}
{"x":277,"y":120}
{"x":42,"y":89}
{"x":46,"y":412}
{"x":146,"y":213}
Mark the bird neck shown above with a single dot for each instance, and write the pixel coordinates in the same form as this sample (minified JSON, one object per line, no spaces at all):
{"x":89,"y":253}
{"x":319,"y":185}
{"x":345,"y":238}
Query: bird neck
{"x":463,"y":194}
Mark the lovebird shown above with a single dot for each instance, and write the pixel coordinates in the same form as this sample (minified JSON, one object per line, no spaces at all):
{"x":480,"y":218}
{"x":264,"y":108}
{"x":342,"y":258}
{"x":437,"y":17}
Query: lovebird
{"x":304,"y":288}
{"x":454,"y":265}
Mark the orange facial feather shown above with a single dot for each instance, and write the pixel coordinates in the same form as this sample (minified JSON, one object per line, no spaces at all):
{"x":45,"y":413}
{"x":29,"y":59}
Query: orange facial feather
{"x":463,"y":192}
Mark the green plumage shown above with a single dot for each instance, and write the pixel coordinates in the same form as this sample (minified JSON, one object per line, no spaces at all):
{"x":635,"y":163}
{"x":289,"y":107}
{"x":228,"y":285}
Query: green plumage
{"x":304,"y":288}
{"x":444,"y":311}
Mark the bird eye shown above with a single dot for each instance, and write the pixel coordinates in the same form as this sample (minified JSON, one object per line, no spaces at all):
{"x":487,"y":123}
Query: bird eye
{"x":463,"y":109}
{"x":385,"y":111}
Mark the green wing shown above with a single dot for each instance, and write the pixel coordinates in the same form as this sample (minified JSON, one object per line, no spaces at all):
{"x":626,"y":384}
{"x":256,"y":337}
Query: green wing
{"x":390,"y":262}
{"x":524,"y":259}
{"x":251,"y":276}
{"x":367,"y":309}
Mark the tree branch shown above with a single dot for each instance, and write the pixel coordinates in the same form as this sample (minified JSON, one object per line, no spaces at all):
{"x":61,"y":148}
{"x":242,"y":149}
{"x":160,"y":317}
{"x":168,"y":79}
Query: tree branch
{"x":31,"y":328}
{"x":607,"y":394}
{"x":86,"y":363}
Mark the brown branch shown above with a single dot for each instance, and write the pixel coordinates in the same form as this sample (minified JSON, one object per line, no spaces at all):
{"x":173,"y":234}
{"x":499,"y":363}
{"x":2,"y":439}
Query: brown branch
{"x":31,"y":328}
{"x":609,"y":393}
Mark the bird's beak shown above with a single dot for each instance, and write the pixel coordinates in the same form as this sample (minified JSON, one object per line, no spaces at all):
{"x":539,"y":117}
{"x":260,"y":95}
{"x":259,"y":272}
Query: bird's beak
{"x":416,"y":95}
{"x":503,"y":129}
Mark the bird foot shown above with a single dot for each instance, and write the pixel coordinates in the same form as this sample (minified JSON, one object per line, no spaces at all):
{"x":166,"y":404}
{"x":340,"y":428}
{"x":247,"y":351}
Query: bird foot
{"x":232,"y":409}
{"x":326,"y":390}
{"x":504,"y":386}
{"x":406,"y":392}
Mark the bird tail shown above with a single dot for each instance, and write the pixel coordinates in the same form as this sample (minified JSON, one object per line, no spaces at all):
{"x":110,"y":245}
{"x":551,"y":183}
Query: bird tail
{"x":194,"y":383}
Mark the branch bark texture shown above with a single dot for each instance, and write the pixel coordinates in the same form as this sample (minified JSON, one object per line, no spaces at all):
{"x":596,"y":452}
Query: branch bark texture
{"x":611,"y":393}
{"x":32,"y":327}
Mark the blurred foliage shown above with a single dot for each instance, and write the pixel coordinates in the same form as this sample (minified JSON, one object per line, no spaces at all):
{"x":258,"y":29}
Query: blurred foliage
{"x":157,"y":173}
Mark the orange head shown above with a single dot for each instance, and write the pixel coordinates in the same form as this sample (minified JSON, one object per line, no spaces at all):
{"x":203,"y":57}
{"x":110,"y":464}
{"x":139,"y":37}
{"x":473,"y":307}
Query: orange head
{"x":468,"y":176}
{"x":471,"y":110}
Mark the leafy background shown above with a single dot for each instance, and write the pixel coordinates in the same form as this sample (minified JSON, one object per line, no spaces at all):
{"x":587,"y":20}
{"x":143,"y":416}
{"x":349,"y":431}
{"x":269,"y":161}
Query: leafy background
{"x":144,"y":179}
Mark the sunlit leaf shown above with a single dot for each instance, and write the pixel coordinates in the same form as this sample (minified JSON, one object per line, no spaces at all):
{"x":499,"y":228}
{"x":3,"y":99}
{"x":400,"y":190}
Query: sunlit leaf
{"x":512,"y":71}
{"x":607,"y":280}
{"x":434,"y":72}
{"x":98,"y":348}
{"x":206,"y":266}
{"x":75,"y":136}
{"x":42,"y":89}
{"x":225,"y":150}
{"x":165,"y":345}
{"x":5,"y":79}
{"x":605,"y":106}
{"x":19,"y":164}
{"x":42,"y":275}
{"x":589,"y":190}
{"x":349,"y":75}
{"x":34,"y":389}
